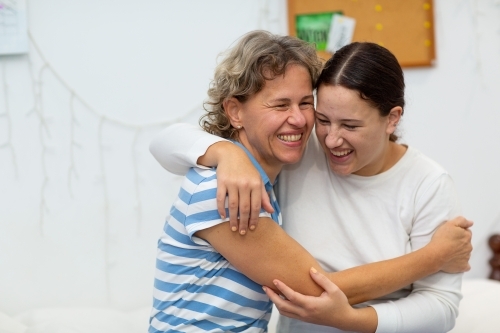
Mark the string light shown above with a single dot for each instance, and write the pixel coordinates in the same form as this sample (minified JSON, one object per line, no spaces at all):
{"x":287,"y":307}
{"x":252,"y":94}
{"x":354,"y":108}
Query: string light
{"x":44,"y":133}
{"x":136,"y":182}
{"x":43,"y":127}
{"x":477,"y":43}
{"x":106,"y":204}
{"x":72,"y":172}
{"x":8,"y":143}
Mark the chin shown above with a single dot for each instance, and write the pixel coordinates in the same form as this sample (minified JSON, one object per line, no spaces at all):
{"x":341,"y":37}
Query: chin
{"x":340,"y":170}
{"x":291,"y":159}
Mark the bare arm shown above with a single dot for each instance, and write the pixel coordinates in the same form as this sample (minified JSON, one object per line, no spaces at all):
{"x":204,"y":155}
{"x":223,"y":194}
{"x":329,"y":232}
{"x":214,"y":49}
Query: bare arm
{"x":269,"y":254}
{"x":181,"y":146}
{"x":240,"y":182}
{"x":449,"y":250}
{"x":265,"y":254}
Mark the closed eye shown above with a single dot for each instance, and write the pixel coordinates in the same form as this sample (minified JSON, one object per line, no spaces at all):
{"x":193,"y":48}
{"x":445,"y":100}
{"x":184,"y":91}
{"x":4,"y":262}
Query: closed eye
{"x":281,"y":107}
{"x":350,"y":127}
{"x":322,"y":121}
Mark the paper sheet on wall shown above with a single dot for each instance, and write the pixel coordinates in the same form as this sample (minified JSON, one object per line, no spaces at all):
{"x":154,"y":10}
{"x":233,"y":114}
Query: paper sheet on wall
{"x":341,"y":32}
{"x":314,"y":28}
{"x":13,"y":27}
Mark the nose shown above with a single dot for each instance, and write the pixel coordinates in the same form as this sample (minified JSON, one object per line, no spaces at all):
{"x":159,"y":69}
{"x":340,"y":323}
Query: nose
{"x":333,"y":138}
{"x":297,"y":117}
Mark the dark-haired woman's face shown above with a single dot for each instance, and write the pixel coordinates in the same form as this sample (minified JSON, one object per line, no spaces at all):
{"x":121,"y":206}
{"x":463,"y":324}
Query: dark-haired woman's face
{"x":354,"y":137}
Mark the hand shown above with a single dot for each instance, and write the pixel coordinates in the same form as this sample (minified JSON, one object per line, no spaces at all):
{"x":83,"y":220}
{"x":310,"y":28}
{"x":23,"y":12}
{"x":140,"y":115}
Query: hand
{"x":331,"y":308}
{"x":238,"y":179}
{"x":452,"y":242}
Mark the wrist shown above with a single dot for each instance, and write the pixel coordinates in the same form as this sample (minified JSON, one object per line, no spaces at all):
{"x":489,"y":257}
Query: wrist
{"x":433,"y":258}
{"x":364,"y":320}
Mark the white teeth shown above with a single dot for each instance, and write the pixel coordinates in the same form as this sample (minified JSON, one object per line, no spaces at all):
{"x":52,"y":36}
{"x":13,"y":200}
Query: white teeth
{"x":290,"y":138}
{"x":341,"y":153}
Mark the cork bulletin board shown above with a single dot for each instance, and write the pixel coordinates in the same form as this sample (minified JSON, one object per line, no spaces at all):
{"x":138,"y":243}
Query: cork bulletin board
{"x":405,"y":27}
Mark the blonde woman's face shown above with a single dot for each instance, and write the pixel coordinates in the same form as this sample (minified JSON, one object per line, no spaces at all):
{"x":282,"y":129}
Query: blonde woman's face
{"x":277,"y":121}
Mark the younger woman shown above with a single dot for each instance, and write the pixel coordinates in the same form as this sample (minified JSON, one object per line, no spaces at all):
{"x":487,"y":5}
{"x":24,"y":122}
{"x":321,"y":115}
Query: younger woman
{"x":355,"y":198}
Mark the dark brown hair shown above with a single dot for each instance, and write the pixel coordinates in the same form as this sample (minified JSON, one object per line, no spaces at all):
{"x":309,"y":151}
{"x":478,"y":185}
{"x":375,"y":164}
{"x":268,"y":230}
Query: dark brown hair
{"x":370,"y":69}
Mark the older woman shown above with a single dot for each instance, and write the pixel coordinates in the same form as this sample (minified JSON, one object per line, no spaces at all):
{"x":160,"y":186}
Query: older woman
{"x":209,"y":278}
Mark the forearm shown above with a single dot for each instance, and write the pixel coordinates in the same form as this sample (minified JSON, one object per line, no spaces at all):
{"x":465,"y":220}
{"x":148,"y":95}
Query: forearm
{"x":363,"y":320}
{"x":266,"y":254}
{"x":432,"y":307}
{"x":178,"y":147}
{"x":217,"y":151}
{"x":377,"y":279}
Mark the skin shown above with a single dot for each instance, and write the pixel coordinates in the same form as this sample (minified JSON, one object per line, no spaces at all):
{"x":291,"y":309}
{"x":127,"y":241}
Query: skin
{"x":353,"y":134}
{"x":275,"y":123}
{"x":283,"y":109}
{"x":355,"y":139}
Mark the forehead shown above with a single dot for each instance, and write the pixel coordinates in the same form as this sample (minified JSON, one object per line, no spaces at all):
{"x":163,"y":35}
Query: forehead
{"x":341,"y":101}
{"x":296,"y":79}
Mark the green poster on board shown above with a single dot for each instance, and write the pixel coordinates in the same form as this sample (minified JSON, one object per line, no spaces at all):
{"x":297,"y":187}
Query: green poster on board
{"x":314,"y":28}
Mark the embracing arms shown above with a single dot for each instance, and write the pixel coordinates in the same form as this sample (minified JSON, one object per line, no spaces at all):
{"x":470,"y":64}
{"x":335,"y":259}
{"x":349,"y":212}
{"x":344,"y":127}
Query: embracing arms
{"x":268,"y":256}
{"x":360,"y":283}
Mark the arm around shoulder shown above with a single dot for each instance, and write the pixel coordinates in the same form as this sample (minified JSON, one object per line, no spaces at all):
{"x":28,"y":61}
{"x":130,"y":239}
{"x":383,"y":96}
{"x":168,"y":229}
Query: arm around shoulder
{"x":178,"y":147}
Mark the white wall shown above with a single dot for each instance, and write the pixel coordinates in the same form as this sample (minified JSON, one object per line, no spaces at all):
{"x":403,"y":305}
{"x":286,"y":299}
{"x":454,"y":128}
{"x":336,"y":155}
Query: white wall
{"x":82,"y":201}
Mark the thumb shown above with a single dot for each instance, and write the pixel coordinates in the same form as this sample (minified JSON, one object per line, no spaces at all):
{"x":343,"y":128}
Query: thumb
{"x":266,"y":202}
{"x":464,"y":223}
{"x":323,"y":281}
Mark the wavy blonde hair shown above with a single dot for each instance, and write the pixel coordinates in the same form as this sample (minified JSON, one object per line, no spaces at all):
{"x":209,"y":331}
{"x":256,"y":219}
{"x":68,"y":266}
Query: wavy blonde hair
{"x":258,"y":56}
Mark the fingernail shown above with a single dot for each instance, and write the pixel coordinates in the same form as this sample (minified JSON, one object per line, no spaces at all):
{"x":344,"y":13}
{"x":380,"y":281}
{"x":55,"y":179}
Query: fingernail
{"x":275,"y":283}
{"x":242,"y":232}
{"x":252,"y":227}
{"x":223,"y":217}
{"x":234,"y":228}
{"x":314,"y":270}
{"x":264,"y":288}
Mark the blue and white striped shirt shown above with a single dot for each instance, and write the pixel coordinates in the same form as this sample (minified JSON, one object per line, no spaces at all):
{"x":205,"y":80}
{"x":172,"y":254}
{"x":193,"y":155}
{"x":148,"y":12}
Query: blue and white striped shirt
{"x":196,"y":289}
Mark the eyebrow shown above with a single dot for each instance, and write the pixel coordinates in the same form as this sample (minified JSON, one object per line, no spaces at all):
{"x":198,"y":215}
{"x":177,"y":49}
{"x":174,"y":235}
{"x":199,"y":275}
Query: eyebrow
{"x":288,"y":99}
{"x":346,"y":119}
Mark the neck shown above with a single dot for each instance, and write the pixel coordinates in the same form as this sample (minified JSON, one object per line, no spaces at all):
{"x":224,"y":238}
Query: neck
{"x":395,"y":152}
{"x":272,"y":171}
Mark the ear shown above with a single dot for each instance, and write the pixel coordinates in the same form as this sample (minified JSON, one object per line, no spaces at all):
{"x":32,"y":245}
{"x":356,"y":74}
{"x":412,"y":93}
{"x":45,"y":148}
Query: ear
{"x":233,"y":109}
{"x":393,"y":119}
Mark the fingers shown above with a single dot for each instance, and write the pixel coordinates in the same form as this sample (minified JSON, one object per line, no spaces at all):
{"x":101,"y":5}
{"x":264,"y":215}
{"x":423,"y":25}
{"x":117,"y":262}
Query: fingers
{"x":249,"y":204}
{"x":240,"y":194}
{"x":289,"y":293}
{"x":323,"y":281}
{"x":244,"y":210}
{"x":221,"y":201}
{"x":255,"y":203}
{"x":462,"y":222}
{"x":232,"y":205}
{"x":266,"y":202}
{"x":284,"y":306}
{"x":274,"y":297}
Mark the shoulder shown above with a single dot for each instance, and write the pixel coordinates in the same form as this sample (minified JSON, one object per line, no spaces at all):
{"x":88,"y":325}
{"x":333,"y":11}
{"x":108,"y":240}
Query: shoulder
{"x":417,"y":164}
{"x":432,"y":183}
{"x":198,"y":176}
{"x":418,"y":174}
{"x":198,"y":182}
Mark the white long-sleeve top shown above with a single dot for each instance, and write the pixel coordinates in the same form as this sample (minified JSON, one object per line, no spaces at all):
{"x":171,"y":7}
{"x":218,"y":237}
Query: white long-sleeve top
{"x":346,"y":221}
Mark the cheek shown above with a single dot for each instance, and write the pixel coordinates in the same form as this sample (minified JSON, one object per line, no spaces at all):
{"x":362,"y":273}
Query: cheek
{"x":320,"y":132}
{"x":309,"y":115}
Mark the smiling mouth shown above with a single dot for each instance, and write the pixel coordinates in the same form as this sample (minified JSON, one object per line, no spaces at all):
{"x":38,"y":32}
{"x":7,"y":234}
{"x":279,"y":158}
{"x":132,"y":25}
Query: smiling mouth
{"x":341,"y":153}
{"x":290,"y":138}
